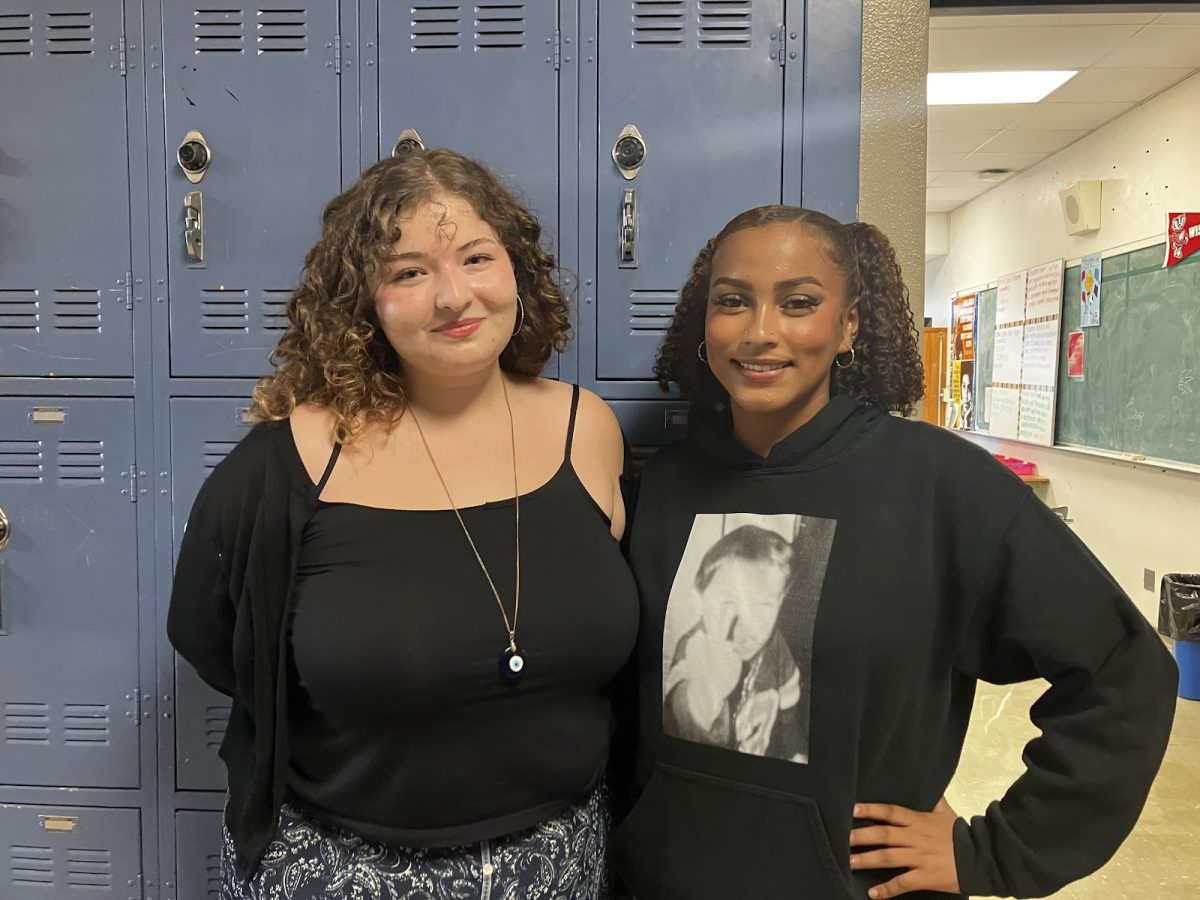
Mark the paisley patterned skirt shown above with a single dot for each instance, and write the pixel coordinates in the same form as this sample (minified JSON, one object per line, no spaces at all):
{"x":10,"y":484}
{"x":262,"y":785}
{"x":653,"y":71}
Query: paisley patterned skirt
{"x":564,"y":858}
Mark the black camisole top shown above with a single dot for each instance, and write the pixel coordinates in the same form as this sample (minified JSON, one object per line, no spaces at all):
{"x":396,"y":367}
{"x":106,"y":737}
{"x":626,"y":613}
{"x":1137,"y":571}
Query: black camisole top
{"x":401,"y":728}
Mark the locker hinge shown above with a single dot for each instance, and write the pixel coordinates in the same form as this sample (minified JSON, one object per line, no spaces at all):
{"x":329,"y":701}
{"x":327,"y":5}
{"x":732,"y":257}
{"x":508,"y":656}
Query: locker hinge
{"x":122,"y":61}
{"x":128,"y":290}
{"x":337,"y":54}
{"x":135,"y":707}
{"x":779,"y":45}
{"x":131,"y":476}
{"x":557,"y":50}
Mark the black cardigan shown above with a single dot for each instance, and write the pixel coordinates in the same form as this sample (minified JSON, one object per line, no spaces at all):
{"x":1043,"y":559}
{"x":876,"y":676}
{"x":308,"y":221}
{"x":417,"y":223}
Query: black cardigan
{"x":229,"y":603}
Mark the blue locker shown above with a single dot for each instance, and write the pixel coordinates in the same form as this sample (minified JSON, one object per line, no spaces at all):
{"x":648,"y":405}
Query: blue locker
{"x":198,"y":855}
{"x":203,"y":431}
{"x":258,"y":89}
{"x":650,"y":425}
{"x":481,"y":79}
{"x":65,"y":852}
{"x":702,"y":83}
{"x":68,"y":594}
{"x":64,"y":191}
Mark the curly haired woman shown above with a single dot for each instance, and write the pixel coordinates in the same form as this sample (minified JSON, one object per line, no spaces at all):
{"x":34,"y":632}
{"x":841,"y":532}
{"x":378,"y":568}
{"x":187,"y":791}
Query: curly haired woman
{"x":918,"y":567}
{"x":408,"y":576}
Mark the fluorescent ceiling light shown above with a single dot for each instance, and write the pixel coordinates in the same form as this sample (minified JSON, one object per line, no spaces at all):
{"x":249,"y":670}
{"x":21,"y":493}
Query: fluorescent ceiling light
{"x":949,"y":88}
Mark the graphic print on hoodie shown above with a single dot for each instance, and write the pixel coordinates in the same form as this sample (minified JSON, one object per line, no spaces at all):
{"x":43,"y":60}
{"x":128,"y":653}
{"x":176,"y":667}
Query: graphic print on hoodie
{"x":737,"y":642}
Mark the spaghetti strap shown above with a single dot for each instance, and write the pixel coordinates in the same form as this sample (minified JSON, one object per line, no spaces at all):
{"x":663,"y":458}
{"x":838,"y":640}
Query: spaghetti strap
{"x":571,"y":421}
{"x":333,"y":458}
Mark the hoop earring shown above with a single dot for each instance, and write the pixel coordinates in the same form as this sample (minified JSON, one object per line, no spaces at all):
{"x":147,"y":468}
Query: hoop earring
{"x":837,"y":362}
{"x":520,"y":316}
{"x":700,"y":353}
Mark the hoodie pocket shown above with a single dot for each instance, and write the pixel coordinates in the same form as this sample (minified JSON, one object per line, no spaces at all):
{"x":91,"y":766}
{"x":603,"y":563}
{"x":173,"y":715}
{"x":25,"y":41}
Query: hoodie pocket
{"x":696,"y":837}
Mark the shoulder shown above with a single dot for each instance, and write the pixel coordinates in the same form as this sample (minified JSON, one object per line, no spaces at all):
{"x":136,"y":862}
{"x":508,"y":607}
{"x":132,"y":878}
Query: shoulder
{"x":311,"y":428}
{"x":596,"y":427}
{"x":595,"y":421}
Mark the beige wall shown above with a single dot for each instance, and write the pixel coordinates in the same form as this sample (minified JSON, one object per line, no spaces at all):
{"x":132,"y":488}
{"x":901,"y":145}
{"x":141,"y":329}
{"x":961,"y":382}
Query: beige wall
{"x":892,"y":161}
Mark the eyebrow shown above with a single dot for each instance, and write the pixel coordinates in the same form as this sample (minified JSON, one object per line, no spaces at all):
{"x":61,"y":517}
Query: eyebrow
{"x":416,"y":254}
{"x":779,"y":285}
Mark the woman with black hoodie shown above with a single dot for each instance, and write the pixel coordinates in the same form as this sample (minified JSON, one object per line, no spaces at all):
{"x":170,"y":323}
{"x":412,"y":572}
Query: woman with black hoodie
{"x":806,"y":685}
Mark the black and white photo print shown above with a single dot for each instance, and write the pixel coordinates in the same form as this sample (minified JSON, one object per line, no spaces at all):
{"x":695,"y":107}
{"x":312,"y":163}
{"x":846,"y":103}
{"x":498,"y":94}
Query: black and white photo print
{"x":737,"y":646}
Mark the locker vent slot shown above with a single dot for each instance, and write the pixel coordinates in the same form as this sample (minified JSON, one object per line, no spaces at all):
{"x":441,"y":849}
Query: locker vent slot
{"x":658,"y":23}
{"x":20,"y":461}
{"x":725,"y":23}
{"x":212,"y":876}
{"x":31,"y":866}
{"x":218,"y":30}
{"x":16,"y":34}
{"x":640,"y":454}
{"x":224,"y":311}
{"x":81,"y":462}
{"x":282,"y":31}
{"x":69,"y":34}
{"x":85,"y":723}
{"x":26,"y":723}
{"x":18,"y":308}
{"x":89,"y":869}
{"x":435,"y":25}
{"x":216,"y":719}
{"x":651,"y":311}
{"x":274,"y":310}
{"x":214,"y":452}
{"x":76,"y":309}
{"x":499,"y":26}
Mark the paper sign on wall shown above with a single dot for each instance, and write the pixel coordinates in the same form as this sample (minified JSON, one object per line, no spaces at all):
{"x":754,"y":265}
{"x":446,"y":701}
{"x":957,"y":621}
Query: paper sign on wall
{"x":1075,"y":355}
{"x":1089,"y":291}
{"x":1183,"y":237}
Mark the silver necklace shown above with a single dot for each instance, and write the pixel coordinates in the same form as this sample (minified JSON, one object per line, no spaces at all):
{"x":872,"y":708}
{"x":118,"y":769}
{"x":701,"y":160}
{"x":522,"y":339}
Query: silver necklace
{"x":512,"y":660}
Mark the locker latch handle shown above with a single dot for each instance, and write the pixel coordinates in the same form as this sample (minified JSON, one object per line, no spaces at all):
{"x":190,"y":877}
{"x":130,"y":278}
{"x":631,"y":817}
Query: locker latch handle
{"x":5,"y":530}
{"x":628,"y":235}
{"x":193,"y":226}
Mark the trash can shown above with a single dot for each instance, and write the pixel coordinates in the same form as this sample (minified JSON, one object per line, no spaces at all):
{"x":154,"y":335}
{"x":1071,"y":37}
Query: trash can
{"x":1179,"y":619}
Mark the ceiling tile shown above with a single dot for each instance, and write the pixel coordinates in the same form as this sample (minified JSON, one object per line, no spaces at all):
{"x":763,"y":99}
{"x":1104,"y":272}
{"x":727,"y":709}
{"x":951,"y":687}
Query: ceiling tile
{"x":1158,"y":46}
{"x":1180,"y":18}
{"x":1067,"y":116}
{"x":1040,"y":47}
{"x":958,"y":141}
{"x":1015,"y":161}
{"x":1013,"y":140}
{"x":944,"y":162}
{"x":932,"y":178}
{"x":939,"y":199}
{"x":1100,"y":85}
{"x":967,"y":180}
{"x":983,"y":117}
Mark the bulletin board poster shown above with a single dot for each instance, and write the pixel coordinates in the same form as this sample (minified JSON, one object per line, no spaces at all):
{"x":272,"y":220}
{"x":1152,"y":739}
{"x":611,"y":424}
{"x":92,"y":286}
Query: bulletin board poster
{"x":962,"y":361}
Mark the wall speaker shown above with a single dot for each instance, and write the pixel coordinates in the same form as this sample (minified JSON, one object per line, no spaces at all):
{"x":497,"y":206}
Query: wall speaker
{"x":1081,"y":207}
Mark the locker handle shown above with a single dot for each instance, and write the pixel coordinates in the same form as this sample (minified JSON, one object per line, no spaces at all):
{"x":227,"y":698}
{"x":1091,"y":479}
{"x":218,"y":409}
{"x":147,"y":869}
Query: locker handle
{"x":5,"y":530}
{"x":193,"y":226}
{"x":628,"y":234}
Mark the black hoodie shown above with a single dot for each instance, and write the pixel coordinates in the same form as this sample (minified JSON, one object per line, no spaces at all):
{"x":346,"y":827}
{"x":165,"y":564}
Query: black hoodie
{"x":831,"y":609}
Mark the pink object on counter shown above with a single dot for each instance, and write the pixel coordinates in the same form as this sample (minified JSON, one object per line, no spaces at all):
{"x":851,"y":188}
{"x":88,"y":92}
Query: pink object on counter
{"x":1018,"y":466}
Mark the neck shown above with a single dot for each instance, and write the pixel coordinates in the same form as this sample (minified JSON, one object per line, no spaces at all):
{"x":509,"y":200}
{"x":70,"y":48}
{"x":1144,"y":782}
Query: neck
{"x":760,"y":432}
{"x":442,"y":396}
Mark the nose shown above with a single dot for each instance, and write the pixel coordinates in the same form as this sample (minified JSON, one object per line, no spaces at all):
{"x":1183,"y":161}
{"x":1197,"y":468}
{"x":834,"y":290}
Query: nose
{"x":764,"y":326}
{"x":453,"y":292}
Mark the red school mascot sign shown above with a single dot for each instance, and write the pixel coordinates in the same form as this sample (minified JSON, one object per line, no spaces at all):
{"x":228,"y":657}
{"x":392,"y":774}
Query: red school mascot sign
{"x":1183,"y":236}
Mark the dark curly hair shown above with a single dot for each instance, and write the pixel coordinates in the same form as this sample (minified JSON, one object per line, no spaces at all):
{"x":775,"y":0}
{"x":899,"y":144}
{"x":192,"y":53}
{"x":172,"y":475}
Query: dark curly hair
{"x":887,"y":371}
{"x":334,"y":353}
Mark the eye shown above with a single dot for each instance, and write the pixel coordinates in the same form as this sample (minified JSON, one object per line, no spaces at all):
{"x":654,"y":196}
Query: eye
{"x":478,"y":259}
{"x":729,"y":301}
{"x":406,"y":275}
{"x":800,"y":302}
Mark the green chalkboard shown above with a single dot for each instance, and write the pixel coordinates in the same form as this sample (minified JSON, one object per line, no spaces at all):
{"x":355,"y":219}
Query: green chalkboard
{"x":1141,"y":387}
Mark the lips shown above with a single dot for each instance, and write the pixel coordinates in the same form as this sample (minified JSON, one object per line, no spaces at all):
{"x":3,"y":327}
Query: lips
{"x":459,"y":328}
{"x":761,"y":365}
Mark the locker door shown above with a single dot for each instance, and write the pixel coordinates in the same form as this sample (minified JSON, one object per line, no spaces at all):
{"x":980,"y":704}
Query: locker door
{"x":69,"y":851}
{"x":68,"y":594}
{"x":260,"y":86}
{"x":203,"y":431}
{"x":478,"y":78}
{"x":701,"y":82}
{"x":198,"y":855}
{"x":64,"y":191}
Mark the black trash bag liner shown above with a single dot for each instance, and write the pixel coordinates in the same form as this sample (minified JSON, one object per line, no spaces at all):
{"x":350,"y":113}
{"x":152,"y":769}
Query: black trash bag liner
{"x":1179,"y":607}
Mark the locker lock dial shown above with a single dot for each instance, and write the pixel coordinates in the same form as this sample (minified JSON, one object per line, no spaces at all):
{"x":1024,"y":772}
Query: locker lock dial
{"x":629,"y":152}
{"x":408,"y":142}
{"x":194,"y":156}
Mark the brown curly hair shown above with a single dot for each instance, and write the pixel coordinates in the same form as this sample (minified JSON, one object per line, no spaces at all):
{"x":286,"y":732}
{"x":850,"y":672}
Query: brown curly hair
{"x":887,"y":371}
{"x":334,"y":353}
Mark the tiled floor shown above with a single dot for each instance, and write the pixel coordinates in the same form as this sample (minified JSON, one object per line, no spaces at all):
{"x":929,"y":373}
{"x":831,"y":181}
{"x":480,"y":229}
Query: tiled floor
{"x":1159,"y":861}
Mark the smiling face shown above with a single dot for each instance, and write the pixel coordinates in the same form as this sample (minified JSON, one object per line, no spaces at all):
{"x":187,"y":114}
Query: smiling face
{"x":447,"y":299}
{"x":741,"y":602}
{"x":777,"y":317}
